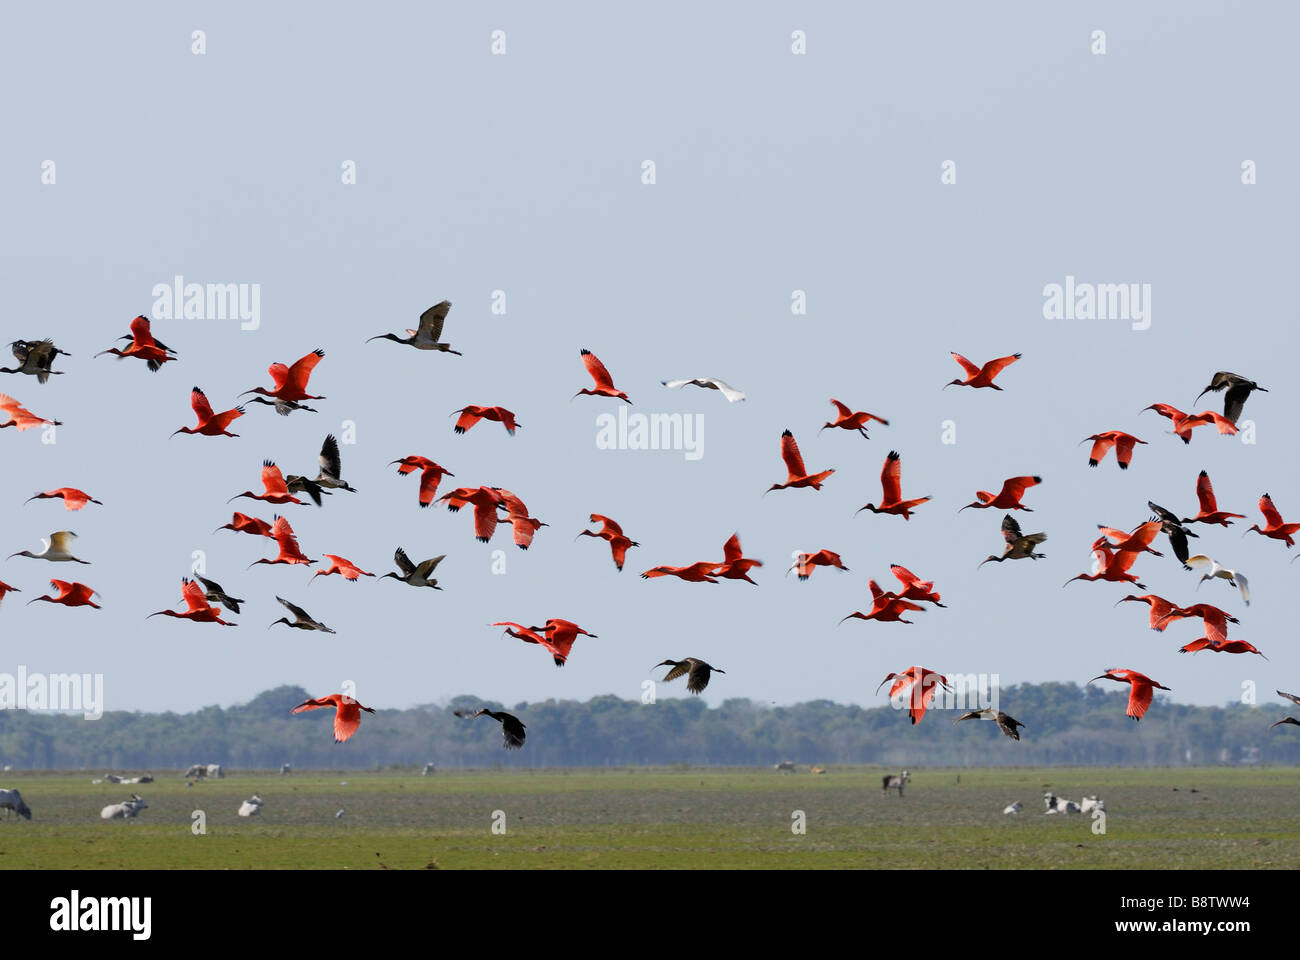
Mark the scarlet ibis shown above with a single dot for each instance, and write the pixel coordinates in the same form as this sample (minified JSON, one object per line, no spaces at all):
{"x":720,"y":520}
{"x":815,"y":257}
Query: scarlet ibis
{"x":1009,"y":725}
{"x":282,"y":533}
{"x":430,"y":475}
{"x":210,"y":424}
{"x":699,"y":572}
{"x":885,"y":606}
{"x":343,"y":567}
{"x":34,"y":357}
{"x":1008,"y":498}
{"x":696,"y":671}
{"x":302,"y":620}
{"x":5,"y":588}
{"x":735,"y":565}
{"x":914,"y":588}
{"x":242,"y":523}
{"x":1159,"y":608}
{"x":73,"y":499}
{"x":1210,"y":512}
{"x":213,"y":591}
{"x":429,"y":334}
{"x":613,"y":533}
{"x":1114,"y":568}
{"x":522,"y":525}
{"x":1141,"y":689}
{"x":604,"y":382}
{"x":512,"y":730}
{"x":847,"y":419}
{"x":561,"y":635}
{"x":276,"y":490}
{"x":798,"y":473}
{"x":708,"y":383}
{"x":347,"y":713}
{"x":197,"y":608}
{"x":981,"y":376}
{"x":472,"y":414}
{"x":1219,"y":646}
{"x":1102,"y":442}
{"x":290,"y":383}
{"x":520,"y":632}
{"x":1173,"y":529}
{"x":1216,"y":570}
{"x":805,"y":562}
{"x":283,"y":407}
{"x":1275,"y":527}
{"x":1239,"y":389}
{"x":891,"y":500}
{"x":1184,"y":423}
{"x":143,"y":346}
{"x":1019,"y":545}
{"x":70,"y":595}
{"x":1216,"y":621}
{"x":58,"y":549}
{"x":919,"y":684}
{"x":20,"y":416}
{"x":1139,"y":539}
{"x":486,"y":500}
{"x":417,"y":575}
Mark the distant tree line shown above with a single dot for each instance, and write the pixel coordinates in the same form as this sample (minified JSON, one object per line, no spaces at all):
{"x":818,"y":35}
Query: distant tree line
{"x":1066,"y":725}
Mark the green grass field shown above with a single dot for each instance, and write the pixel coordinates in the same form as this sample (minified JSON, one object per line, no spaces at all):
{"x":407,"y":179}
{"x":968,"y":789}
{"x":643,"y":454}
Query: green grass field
{"x":1208,"y":818}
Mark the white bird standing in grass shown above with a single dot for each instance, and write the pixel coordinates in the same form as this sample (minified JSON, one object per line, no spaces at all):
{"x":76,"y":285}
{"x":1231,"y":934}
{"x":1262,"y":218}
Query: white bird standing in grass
{"x":251,"y":807}
{"x":708,"y":383}
{"x":1014,"y":808}
{"x":1216,"y":569}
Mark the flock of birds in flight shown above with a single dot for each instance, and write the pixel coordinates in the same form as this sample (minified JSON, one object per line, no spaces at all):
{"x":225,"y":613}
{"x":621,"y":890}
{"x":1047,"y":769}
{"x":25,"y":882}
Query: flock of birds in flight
{"x":1116,"y":549}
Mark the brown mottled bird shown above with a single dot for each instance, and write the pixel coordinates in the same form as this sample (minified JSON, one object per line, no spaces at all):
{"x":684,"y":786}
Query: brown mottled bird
{"x":34,"y":357}
{"x":1008,"y":725}
{"x":1019,"y":545}
{"x":512,"y":730}
{"x":697,"y":672}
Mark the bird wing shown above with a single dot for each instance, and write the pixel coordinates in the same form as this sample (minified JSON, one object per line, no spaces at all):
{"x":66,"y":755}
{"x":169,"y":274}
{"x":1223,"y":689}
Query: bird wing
{"x":315,"y":704}
{"x":485,"y":519}
{"x":429,"y":480}
{"x":1010,"y":529}
{"x":731,"y":551}
{"x":841,"y":409}
{"x":1198,"y":562}
{"x":300,"y":372}
{"x":273,"y":479}
{"x":1009,"y":725}
{"x":1235,"y":400}
{"x":1243,"y":586}
{"x":790,"y":454}
{"x":905,"y":576}
{"x":1099,"y":447}
{"x":680,"y":670}
{"x":618,"y":549}
{"x":293,"y":608}
{"x":403,"y":562}
{"x":728,"y":391}
{"x":194,"y":597}
{"x":969,"y":715}
{"x":1290,"y":696}
{"x":140,"y":334}
{"x":468,"y":417}
{"x":470,"y":714}
{"x":1016,"y":486}
{"x":62,"y":541}
{"x":609,"y":525}
{"x":1269,"y":511}
{"x":346,"y":720}
{"x":1139,"y":698}
{"x":891,"y":478}
{"x":1205,"y":493}
{"x":431,"y":320}
{"x":512,"y":730}
{"x":970,"y":368}
{"x":279,"y":375}
{"x":427,"y":567}
{"x":330,"y":463}
{"x":597,"y":370}
{"x":199,"y":401}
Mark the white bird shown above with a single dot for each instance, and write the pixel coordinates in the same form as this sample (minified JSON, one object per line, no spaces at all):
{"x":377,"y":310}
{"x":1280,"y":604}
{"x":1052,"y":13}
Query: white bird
{"x":1216,"y":569}
{"x":339,"y":815}
{"x":251,"y":807}
{"x":58,"y":548}
{"x":1014,"y":808}
{"x":708,"y":383}
{"x":126,"y":810}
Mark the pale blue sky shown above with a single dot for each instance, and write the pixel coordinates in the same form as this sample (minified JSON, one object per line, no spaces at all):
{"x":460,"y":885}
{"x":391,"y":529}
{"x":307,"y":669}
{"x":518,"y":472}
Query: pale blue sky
{"x":522,"y":173}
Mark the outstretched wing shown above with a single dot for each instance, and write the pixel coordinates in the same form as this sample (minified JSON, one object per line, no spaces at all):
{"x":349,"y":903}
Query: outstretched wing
{"x":790,"y":454}
{"x":431,"y":320}
{"x":1010,"y":529}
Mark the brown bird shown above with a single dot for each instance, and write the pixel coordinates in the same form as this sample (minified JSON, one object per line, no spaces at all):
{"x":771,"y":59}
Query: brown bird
{"x":34,"y":357}
{"x":696,"y":671}
{"x":429,"y":332}
{"x":1294,"y":699}
{"x":1239,"y":389}
{"x":1019,"y":545}
{"x":512,"y":730}
{"x":1008,"y":725}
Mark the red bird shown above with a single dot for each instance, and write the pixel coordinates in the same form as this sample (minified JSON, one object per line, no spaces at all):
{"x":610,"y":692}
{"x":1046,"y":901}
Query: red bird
{"x":342,"y":566}
{"x":282,"y":533}
{"x":981,"y":376}
{"x":1139,"y":540}
{"x":73,"y":499}
{"x":1216,"y":621}
{"x":197,"y":608}
{"x":20,"y":416}
{"x":1114,"y":568}
{"x":1141,"y":689}
{"x":885,"y":606}
{"x":70,"y":595}
{"x":210,"y":424}
{"x":1219,"y":646}
{"x":798,"y":473}
{"x":347,"y":715}
{"x":1210,"y":512}
{"x":1102,"y":442}
{"x":735,"y":566}
{"x":848,"y":420}
{"x":920,"y":683}
{"x":430,"y":475}
{"x":804,"y":563}
{"x":5,"y":588}
{"x":486,"y":500}
{"x":892,"y":490}
{"x":143,"y":346}
{"x":290,"y":383}
{"x":914,"y":587}
{"x":1184,"y":423}
{"x":613,"y":533}
{"x":1159,"y":608}
{"x":1276,"y":528}
{"x":1008,"y":498}
{"x":695,"y":573}
{"x":604,"y":382}
{"x":471,"y":415}
{"x":560,"y":635}
{"x":538,"y":635}
{"x":274,"y":485}
{"x":523,"y":526}
{"x":242,"y":523}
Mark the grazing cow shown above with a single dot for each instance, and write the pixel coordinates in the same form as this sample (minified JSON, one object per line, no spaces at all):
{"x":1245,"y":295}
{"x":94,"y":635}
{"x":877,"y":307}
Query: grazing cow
{"x":12,"y":802}
{"x":1089,"y":804}
{"x":215,"y":772}
{"x":1057,"y":804}
{"x":1014,"y":808}
{"x":285,"y":769}
{"x":251,"y":807}
{"x":428,"y":769}
{"x":895,"y":783}
{"x":126,"y":810}
{"x":785,"y":766}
